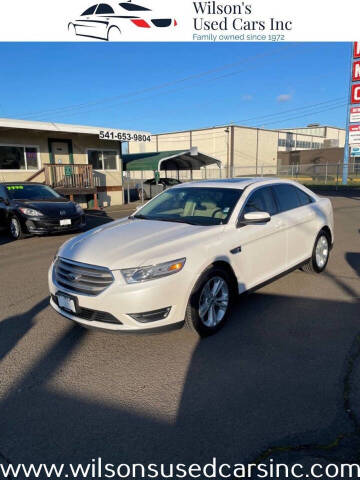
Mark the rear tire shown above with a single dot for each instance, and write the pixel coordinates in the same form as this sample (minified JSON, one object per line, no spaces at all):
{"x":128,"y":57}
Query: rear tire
{"x":114,"y":35}
{"x":210,"y":302}
{"x":15,"y":229}
{"x":320,"y":255}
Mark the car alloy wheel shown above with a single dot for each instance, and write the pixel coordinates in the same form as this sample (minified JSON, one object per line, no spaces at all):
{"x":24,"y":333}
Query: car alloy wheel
{"x":15,"y":228}
{"x":213,"y":302}
{"x":322,"y":252}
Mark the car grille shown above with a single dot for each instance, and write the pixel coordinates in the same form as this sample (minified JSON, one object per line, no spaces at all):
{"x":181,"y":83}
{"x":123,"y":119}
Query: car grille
{"x":82,"y":278}
{"x":91,"y":315}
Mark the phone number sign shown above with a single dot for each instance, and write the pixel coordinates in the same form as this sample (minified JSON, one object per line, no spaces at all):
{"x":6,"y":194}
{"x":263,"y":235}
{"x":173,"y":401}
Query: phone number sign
{"x":124,"y":136}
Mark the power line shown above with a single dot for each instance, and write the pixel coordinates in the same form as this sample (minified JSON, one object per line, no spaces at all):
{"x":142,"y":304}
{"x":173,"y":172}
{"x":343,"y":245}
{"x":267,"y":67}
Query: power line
{"x":335,"y":100}
{"x":68,"y":109}
{"x":306,"y":114}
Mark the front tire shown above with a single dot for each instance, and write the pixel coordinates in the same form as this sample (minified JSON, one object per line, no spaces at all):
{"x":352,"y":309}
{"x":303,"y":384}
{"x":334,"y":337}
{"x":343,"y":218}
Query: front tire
{"x":320,"y":254}
{"x":72,"y":30}
{"x":15,"y":229}
{"x":210,"y":302}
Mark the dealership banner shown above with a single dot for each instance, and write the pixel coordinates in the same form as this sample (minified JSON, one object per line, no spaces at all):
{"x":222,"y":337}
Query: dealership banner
{"x":180,"y":20}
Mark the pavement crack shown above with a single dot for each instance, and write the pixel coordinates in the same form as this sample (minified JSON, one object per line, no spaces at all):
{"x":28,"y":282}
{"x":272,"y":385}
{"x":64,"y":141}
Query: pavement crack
{"x":340,"y":439}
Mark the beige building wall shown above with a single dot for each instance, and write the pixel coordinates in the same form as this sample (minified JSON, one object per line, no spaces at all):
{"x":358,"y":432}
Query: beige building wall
{"x":248,"y":147}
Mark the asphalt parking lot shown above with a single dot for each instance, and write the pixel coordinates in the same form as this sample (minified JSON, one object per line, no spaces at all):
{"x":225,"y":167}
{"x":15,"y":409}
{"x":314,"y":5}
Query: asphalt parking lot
{"x":281,"y":380}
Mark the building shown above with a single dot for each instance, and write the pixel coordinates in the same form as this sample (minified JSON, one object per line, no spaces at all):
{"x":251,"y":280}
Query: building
{"x":70,"y":158}
{"x":245,"y":150}
{"x":312,"y":137}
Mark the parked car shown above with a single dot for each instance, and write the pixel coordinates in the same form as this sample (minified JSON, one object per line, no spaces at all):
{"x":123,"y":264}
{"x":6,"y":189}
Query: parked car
{"x":108,"y":21}
{"x":150,"y":188}
{"x":37,"y":209}
{"x":186,"y":254}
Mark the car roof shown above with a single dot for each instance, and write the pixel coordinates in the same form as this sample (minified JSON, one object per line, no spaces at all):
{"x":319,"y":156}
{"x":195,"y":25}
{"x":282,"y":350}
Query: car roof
{"x":241,"y":183}
{"x":21,"y":183}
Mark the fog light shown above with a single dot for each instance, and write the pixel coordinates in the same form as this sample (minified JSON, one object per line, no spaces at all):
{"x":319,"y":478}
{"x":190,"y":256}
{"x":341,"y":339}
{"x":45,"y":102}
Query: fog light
{"x":153,"y":316}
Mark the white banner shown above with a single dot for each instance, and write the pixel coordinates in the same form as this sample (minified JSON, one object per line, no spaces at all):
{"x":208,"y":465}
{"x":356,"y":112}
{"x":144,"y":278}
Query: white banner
{"x":180,"y":20}
{"x":354,"y":135}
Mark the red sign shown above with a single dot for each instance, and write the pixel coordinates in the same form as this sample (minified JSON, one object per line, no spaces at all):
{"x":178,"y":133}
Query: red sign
{"x":356,"y":49}
{"x":356,"y":71}
{"x":355,"y":93}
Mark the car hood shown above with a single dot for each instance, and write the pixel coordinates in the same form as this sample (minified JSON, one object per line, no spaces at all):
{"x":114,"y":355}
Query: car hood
{"x":53,"y":208}
{"x":131,"y":243}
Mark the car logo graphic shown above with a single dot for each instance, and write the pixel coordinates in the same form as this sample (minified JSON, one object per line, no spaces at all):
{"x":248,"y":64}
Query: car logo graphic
{"x":73,"y":277}
{"x":62,"y":212}
{"x":110,"y":21}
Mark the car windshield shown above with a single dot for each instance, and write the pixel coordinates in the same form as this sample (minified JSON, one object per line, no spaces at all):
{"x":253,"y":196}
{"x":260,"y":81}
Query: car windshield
{"x":194,"y":205}
{"x":31,"y":192}
{"x":131,"y":7}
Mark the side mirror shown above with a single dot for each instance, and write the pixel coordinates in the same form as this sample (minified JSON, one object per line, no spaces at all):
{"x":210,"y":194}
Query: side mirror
{"x":255,"y":218}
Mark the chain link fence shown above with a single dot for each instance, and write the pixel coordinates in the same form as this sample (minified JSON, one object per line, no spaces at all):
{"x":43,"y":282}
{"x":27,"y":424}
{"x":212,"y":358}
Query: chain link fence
{"x":142,"y":185}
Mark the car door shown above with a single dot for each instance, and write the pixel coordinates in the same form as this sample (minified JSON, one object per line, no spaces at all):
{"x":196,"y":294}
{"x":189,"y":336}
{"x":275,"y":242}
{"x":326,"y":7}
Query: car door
{"x":259,"y":250}
{"x":102,"y":19}
{"x":297,"y":212}
{"x":85,"y":23}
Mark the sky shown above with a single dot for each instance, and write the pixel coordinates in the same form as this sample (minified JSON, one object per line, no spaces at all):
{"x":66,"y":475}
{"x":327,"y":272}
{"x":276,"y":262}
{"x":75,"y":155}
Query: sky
{"x":162,"y":87}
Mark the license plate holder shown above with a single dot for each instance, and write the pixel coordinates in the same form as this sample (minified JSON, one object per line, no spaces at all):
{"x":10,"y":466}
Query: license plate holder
{"x":65,"y":222}
{"x":67,"y":302}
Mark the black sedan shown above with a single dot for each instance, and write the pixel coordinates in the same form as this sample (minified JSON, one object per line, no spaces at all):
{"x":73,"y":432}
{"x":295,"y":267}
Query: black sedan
{"x":37,"y":209}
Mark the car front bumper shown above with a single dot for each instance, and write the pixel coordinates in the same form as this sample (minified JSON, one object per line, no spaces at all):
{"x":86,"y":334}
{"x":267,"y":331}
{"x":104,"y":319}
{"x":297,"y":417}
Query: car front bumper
{"x":43,"y":225}
{"x":112,"y":309}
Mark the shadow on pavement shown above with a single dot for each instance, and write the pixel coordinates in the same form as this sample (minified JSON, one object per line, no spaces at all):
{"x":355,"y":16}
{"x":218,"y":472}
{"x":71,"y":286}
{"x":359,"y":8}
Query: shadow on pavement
{"x":274,"y":375}
{"x":14,"y":328}
{"x":353,"y":259}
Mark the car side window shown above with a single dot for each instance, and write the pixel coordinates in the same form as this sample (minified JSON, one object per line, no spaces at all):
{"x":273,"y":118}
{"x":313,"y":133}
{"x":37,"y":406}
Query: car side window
{"x":304,"y":198}
{"x":287,"y":197}
{"x":103,"y":8}
{"x":262,"y":200}
{"x":89,"y":11}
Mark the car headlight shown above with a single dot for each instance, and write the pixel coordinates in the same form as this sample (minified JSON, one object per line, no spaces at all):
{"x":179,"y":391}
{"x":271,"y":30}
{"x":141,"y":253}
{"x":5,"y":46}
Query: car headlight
{"x":30,"y":212}
{"x":78,"y":209}
{"x":143,"y":274}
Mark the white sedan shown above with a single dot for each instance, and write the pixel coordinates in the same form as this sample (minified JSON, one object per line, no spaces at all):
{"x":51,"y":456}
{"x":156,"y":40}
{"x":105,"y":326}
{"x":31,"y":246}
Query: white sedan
{"x":108,"y":21}
{"x":185,"y":255}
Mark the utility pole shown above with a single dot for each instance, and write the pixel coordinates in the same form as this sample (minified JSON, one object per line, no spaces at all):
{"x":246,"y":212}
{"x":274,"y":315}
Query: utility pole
{"x":227,"y":131}
{"x":347,"y":145}
{"x":232,"y":149}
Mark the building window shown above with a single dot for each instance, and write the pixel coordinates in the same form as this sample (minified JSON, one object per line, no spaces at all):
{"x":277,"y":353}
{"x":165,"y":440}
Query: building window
{"x":282,"y":142}
{"x":102,"y":159}
{"x":18,"y":158}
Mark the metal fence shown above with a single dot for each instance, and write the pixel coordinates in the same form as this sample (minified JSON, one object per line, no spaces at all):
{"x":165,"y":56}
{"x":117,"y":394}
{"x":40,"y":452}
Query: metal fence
{"x":137,"y":185}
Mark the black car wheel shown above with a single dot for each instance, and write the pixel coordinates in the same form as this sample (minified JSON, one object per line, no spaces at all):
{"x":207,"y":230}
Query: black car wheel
{"x":15,"y":228}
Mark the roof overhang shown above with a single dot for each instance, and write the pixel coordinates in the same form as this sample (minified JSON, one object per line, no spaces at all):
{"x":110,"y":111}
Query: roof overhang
{"x":168,"y":160}
{"x":10,"y":123}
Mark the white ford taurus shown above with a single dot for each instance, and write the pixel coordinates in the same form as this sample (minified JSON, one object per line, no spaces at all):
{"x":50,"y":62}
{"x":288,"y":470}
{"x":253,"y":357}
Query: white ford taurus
{"x":186,"y":254}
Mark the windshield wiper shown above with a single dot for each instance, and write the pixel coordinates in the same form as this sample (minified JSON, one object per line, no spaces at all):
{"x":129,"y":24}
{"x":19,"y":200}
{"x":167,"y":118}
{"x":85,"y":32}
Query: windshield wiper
{"x":140,"y":217}
{"x":176,"y":220}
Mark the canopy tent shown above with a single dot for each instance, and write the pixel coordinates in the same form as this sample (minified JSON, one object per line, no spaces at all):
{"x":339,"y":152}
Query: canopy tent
{"x":168,"y":160}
